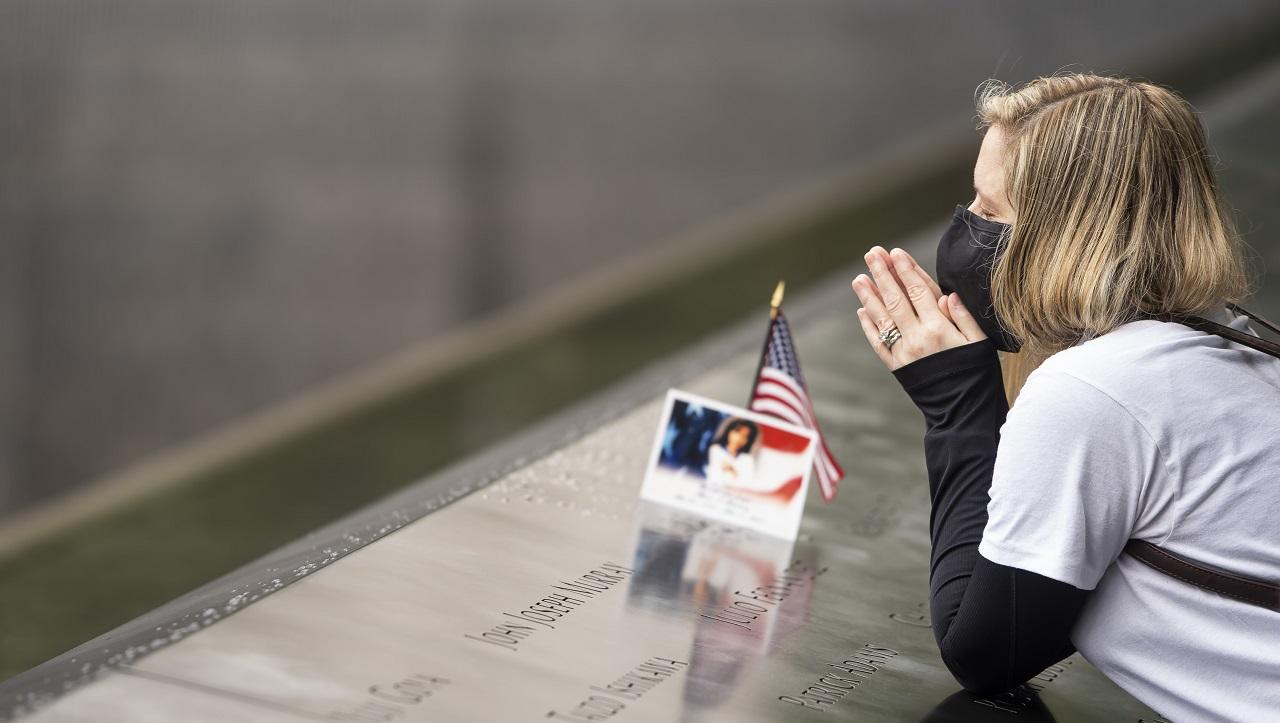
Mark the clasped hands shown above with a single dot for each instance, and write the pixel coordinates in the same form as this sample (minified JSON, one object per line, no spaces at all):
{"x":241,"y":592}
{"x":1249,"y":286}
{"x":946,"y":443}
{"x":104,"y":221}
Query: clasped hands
{"x":899,"y":293}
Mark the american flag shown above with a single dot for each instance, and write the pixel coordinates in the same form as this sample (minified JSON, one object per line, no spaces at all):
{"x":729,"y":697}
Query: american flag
{"x":780,"y":391}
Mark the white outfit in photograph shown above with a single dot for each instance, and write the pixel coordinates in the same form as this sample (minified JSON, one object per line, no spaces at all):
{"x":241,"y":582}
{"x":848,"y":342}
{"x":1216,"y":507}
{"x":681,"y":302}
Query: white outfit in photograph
{"x":743,"y":467}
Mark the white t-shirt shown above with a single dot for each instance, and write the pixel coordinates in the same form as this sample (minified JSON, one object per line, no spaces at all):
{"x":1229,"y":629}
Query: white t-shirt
{"x":1158,"y":432}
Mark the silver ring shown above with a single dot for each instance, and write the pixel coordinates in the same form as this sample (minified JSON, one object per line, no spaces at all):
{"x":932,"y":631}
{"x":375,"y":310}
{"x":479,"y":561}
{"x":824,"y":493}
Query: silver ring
{"x":889,"y":336}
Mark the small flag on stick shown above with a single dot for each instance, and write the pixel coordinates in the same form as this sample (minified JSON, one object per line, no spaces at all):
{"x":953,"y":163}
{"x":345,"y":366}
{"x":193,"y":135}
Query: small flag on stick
{"x":780,"y":391}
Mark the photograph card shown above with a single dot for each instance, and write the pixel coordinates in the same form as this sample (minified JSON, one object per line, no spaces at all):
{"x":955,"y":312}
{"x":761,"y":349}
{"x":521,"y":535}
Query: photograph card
{"x":730,"y":464}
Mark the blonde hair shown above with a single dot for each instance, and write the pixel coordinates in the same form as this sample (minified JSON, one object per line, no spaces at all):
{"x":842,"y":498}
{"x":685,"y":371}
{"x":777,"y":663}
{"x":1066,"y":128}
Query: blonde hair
{"x":1116,"y":210}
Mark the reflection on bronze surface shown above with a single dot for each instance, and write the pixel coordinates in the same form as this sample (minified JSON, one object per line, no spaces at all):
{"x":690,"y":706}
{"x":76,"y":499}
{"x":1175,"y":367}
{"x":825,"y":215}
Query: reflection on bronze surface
{"x":965,"y":707}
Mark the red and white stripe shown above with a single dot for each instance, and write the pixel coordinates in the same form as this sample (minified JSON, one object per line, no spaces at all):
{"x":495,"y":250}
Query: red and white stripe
{"x":778,"y":395}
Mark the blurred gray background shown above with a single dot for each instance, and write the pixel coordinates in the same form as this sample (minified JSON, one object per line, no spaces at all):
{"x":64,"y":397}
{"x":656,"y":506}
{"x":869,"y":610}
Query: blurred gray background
{"x":206,"y":207}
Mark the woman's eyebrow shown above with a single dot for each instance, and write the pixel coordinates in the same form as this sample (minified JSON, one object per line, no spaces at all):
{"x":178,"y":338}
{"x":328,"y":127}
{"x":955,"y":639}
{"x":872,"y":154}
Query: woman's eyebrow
{"x":986,"y":201}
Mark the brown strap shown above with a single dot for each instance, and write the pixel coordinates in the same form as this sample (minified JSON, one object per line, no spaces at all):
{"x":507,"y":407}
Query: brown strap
{"x":1256,"y":592}
{"x":1212,"y":327}
{"x":1256,"y":317}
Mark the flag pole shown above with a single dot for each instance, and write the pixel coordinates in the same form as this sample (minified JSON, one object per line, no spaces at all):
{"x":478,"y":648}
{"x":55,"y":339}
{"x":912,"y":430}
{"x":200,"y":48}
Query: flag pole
{"x":774,"y":305}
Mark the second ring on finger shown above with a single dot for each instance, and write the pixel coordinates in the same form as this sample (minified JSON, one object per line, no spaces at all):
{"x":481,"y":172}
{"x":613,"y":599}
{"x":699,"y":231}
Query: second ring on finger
{"x":890,"y":336}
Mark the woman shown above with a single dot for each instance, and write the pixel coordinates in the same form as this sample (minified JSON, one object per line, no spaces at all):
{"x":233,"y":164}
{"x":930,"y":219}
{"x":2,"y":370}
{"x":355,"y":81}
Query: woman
{"x":729,"y":458}
{"x":1096,"y":209}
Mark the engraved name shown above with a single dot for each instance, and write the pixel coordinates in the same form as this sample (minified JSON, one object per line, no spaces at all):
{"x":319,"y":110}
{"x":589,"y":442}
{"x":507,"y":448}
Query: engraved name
{"x":552,"y":607}
{"x":1021,"y":698}
{"x":388,"y":702}
{"x":832,"y":686}
{"x":917,"y":617}
{"x":630,"y":686}
{"x":748,"y":606}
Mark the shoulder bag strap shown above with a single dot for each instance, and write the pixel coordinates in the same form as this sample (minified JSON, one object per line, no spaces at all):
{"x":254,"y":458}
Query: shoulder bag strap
{"x":1202,"y":324}
{"x":1256,"y":592}
{"x":1256,"y":317}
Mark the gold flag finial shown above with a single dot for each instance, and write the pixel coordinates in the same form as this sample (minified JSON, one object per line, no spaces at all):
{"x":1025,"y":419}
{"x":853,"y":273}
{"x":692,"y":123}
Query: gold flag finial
{"x":777,"y":298}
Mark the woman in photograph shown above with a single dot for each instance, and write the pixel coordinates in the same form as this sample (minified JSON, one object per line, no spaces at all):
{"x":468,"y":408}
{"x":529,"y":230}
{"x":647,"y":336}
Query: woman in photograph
{"x":730,"y":458}
{"x":1124,"y":506}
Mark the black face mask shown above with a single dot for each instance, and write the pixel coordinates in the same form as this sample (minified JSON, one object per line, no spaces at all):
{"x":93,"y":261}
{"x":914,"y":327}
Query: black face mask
{"x":966,"y":253}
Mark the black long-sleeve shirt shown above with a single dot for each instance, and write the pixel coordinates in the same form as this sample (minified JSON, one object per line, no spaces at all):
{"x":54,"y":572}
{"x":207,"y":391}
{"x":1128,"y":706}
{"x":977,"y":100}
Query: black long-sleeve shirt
{"x":996,"y":626}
